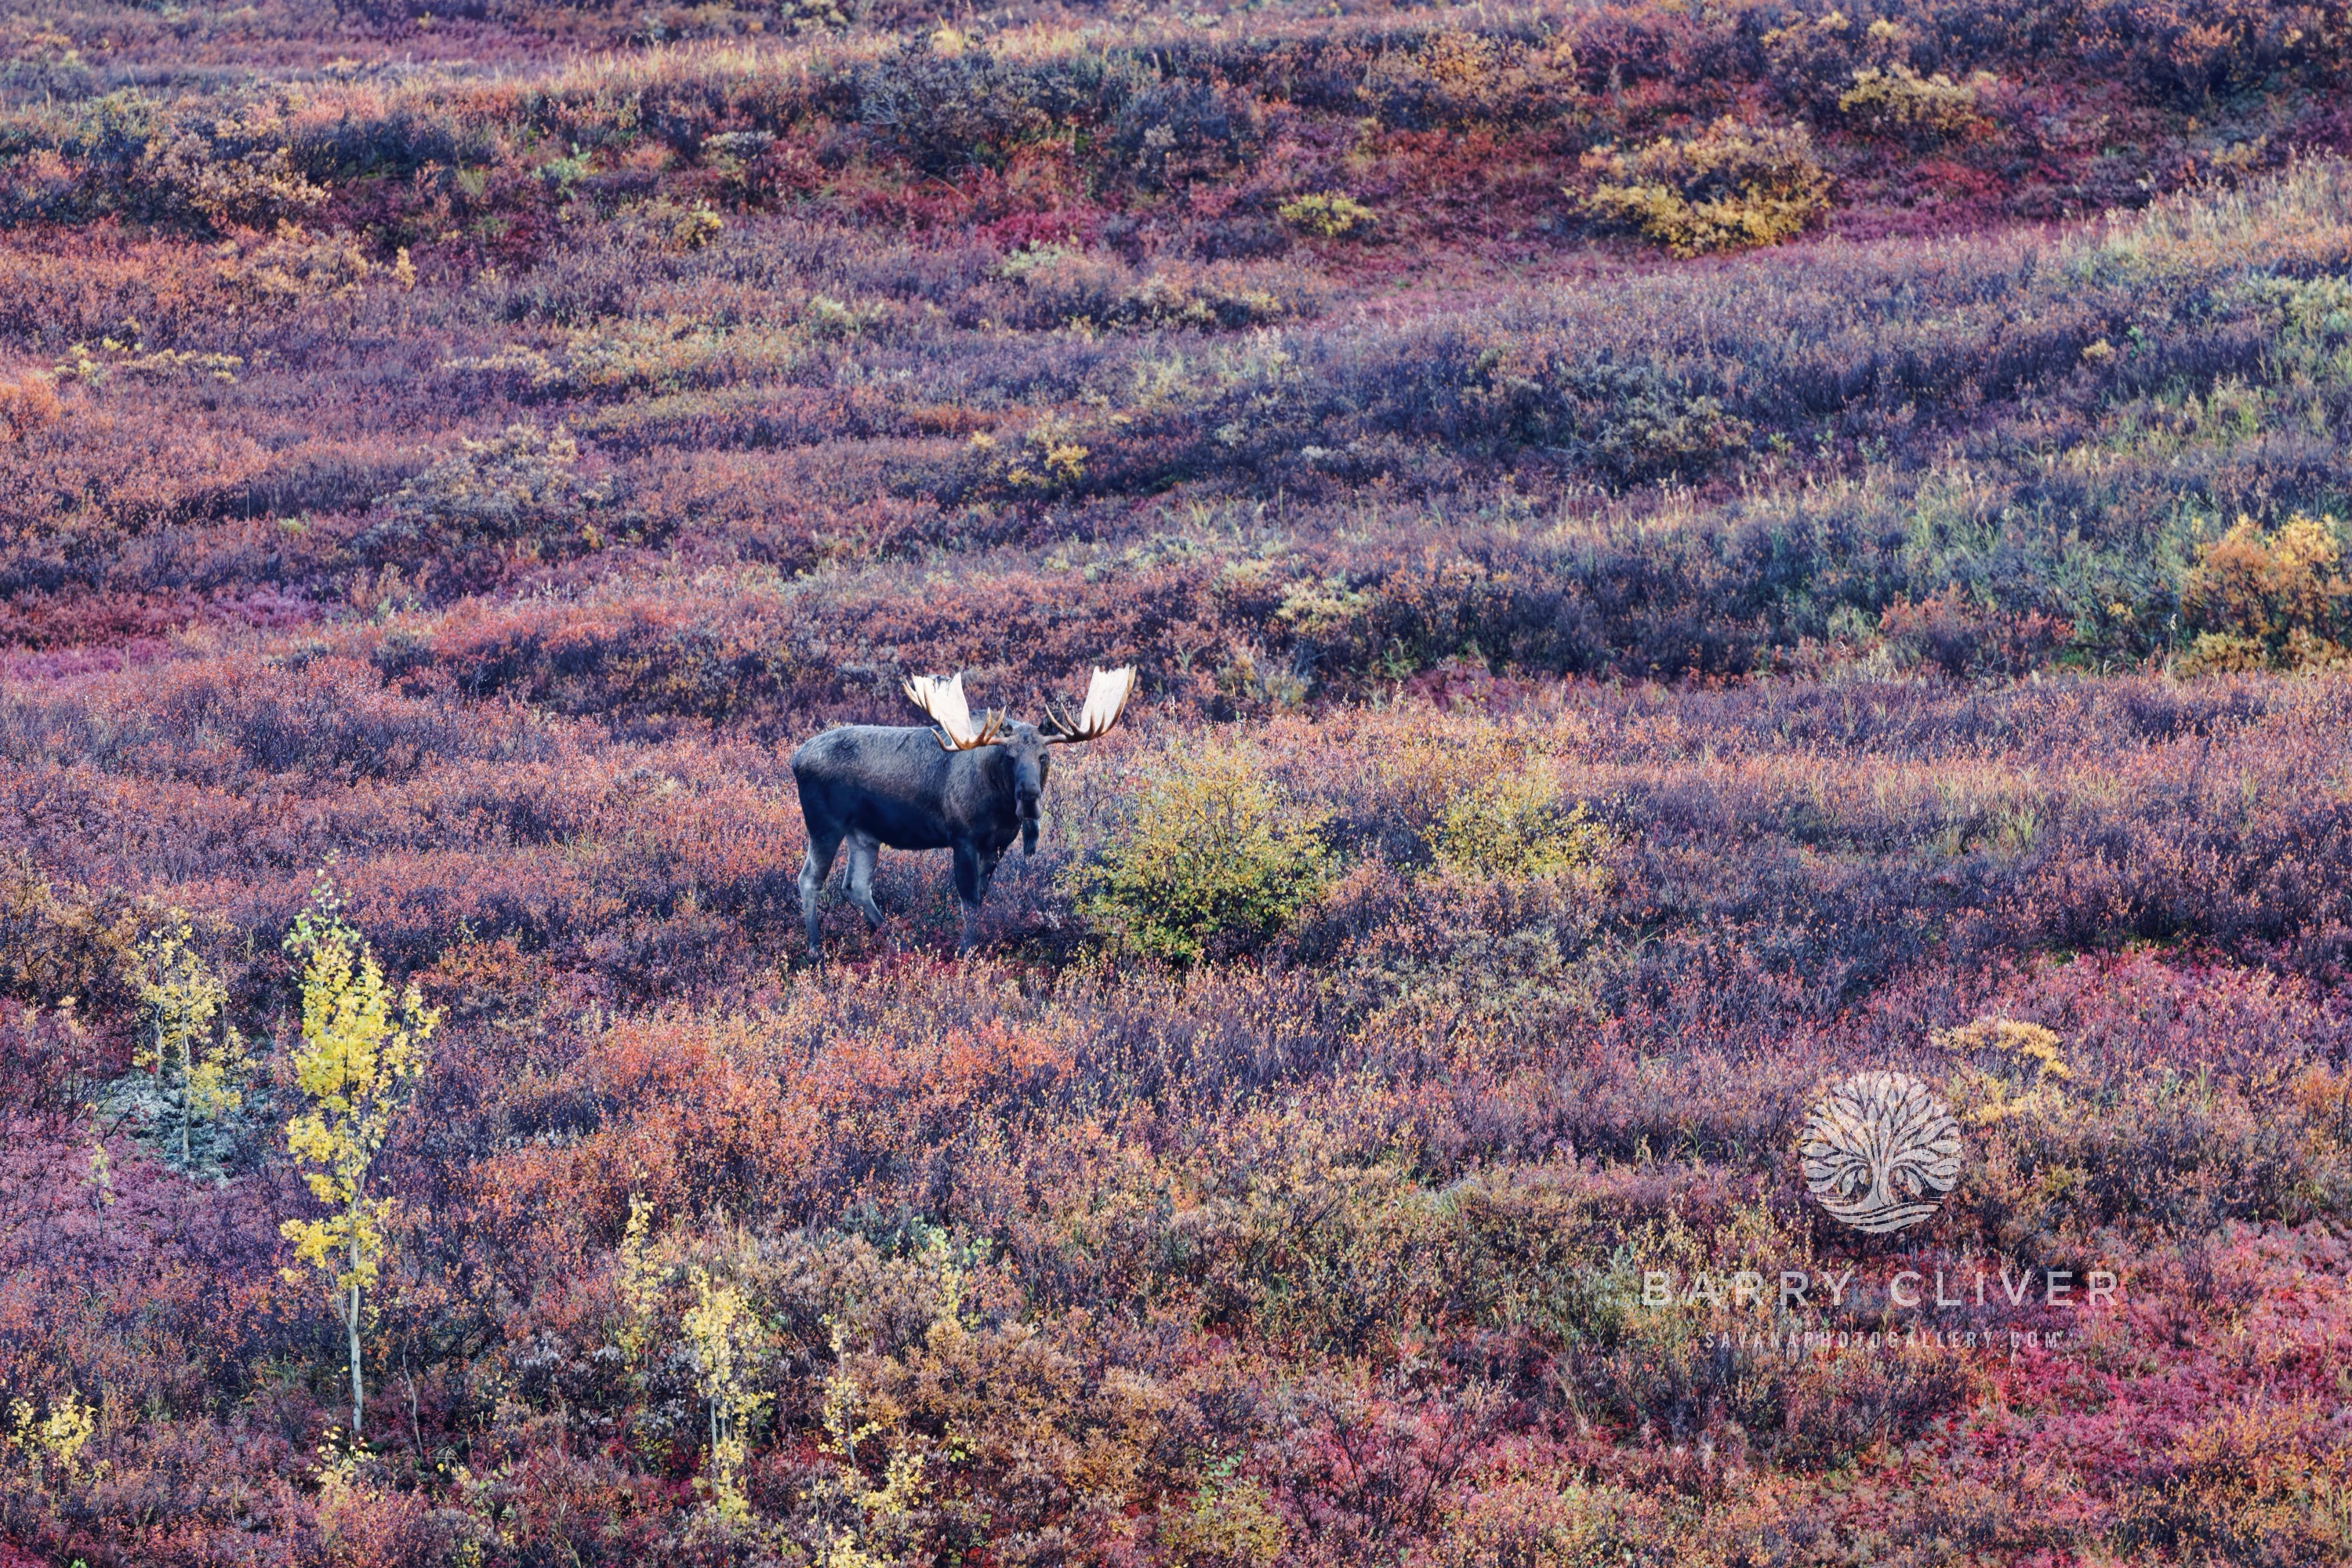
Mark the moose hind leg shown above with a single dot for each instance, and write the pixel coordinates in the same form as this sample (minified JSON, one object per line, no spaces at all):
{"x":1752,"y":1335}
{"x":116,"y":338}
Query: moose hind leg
{"x":863,"y":854}
{"x":814,"y":869}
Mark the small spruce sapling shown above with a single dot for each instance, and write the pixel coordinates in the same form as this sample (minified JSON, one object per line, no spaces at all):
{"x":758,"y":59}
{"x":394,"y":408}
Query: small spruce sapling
{"x":360,"y":1052}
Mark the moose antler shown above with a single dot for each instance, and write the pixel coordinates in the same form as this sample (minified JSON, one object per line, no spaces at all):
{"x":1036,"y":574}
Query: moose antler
{"x":942,"y":698}
{"x":1106,"y":696}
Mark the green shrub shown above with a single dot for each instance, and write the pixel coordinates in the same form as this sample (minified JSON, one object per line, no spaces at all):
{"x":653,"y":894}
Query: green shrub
{"x":1511,"y":824}
{"x":1329,"y":214}
{"x":829,"y":319}
{"x":1663,"y":437}
{"x":521,"y":483}
{"x":1732,"y":187}
{"x":1212,"y":858}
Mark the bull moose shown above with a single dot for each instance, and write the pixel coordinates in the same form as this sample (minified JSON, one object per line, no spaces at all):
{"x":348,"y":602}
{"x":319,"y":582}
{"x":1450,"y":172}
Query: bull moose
{"x":970,"y":787}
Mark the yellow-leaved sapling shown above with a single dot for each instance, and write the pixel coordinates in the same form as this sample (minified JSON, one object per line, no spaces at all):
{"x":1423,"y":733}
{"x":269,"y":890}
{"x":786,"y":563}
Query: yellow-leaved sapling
{"x":362,"y":1049}
{"x":184,"y":1038}
{"x":638,"y":1281}
{"x":724,"y":1334}
{"x":58,"y":1439}
{"x":883,"y":1511}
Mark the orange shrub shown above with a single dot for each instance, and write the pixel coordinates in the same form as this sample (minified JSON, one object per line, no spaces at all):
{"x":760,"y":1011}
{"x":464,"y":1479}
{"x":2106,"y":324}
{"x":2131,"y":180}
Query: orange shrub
{"x":28,"y":405}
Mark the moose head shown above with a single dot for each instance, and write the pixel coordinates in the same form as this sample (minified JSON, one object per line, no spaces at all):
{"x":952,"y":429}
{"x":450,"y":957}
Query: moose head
{"x":1024,"y":746}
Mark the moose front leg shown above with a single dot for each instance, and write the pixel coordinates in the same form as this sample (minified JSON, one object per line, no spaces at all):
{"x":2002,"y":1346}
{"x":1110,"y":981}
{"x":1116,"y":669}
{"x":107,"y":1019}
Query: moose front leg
{"x":970,"y":887}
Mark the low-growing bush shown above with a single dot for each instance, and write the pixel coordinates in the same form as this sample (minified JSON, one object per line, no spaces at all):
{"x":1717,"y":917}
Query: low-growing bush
{"x":1171,"y":136}
{"x":1958,"y":636}
{"x":1213,"y":858}
{"x":944,"y":104}
{"x":522,"y":485}
{"x":2263,"y":600}
{"x":1651,"y":433}
{"x":1731,"y":187}
{"x":1327,"y":215}
{"x":66,"y":945}
{"x":1047,"y":459}
{"x":1899,"y":102}
{"x":1457,"y":78}
{"x":1517,"y":825}
{"x":28,"y":405}
{"x":229,"y":174}
{"x":1064,"y":287}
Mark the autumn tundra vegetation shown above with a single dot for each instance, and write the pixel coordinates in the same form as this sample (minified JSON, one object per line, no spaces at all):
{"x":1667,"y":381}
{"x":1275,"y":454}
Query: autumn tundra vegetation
{"x":1675,"y":551}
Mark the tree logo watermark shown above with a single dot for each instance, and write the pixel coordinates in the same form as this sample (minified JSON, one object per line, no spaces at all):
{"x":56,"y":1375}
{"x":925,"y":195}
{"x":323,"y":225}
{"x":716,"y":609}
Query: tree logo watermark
{"x":1880,"y":1151}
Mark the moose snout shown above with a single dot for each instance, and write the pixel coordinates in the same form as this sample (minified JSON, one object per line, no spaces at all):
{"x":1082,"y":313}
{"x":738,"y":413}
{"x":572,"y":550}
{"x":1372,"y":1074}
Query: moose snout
{"x":1024,"y":805}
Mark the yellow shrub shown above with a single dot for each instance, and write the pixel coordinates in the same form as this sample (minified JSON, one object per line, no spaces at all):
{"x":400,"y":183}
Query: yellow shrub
{"x":2267,"y":601}
{"x":883,"y":1514}
{"x":696,"y":227}
{"x":1329,"y":214}
{"x":2012,"y":1068}
{"x":59,"y":1440}
{"x":637,"y":1280}
{"x":180,"y":1000}
{"x":1732,"y":187}
{"x":725,"y":1336}
{"x":292,"y":265}
{"x":1230,"y":1520}
{"x":228,"y":173}
{"x":1048,"y":460}
{"x":1899,"y":99}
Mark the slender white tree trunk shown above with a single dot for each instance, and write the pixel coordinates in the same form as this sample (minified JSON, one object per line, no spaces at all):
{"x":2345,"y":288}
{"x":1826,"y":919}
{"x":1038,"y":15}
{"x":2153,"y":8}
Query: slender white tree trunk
{"x":353,"y":1322}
